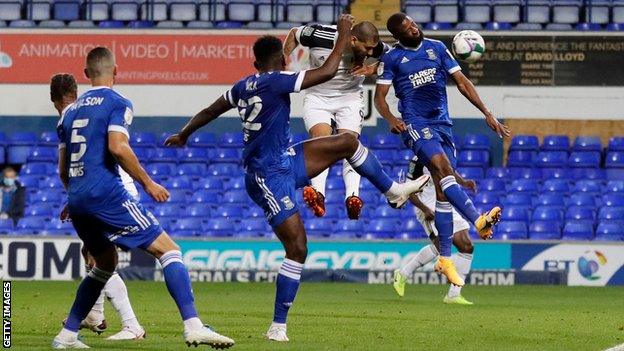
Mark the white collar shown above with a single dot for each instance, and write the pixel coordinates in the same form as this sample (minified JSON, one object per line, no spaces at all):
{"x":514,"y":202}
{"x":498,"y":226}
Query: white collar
{"x":66,"y":108}
{"x":412,"y":48}
{"x":98,"y":87}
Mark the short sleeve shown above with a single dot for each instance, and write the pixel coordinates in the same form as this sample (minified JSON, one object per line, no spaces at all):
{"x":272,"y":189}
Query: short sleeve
{"x":316,"y":36}
{"x":448,"y":61}
{"x":121,"y":118}
{"x":385,"y":73}
{"x":233,"y":94}
{"x":286,"y":82}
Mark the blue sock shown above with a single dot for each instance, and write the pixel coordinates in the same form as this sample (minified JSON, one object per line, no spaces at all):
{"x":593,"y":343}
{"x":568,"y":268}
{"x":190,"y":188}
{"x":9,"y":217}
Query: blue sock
{"x":458,"y":198}
{"x":178,"y":283}
{"x":444,"y":225}
{"x":367,"y":165}
{"x":287,"y":286}
{"x":88,"y":292}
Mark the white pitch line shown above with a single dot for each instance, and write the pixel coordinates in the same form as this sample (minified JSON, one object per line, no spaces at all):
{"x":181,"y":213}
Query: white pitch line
{"x":619,"y":347}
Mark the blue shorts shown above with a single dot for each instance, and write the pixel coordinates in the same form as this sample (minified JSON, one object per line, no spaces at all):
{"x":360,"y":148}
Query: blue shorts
{"x":429,"y":140}
{"x":274,"y":191}
{"x":127,"y":225}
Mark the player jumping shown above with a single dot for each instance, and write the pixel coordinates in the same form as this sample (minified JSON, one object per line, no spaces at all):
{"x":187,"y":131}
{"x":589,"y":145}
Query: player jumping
{"x":273,"y":170}
{"x":418,"y":68}
{"x":63,"y":92}
{"x":93,"y":134}
{"x":425,"y":206}
{"x":341,"y":99}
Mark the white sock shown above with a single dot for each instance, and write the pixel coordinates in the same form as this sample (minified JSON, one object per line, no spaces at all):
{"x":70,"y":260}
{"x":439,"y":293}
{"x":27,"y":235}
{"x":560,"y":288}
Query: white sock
{"x":117,"y":293}
{"x":351,"y":179}
{"x":318,"y":182}
{"x":393,"y":191}
{"x":68,"y":335}
{"x":424,"y":256}
{"x":193,"y":323}
{"x":98,"y":307}
{"x":462,"y":261}
{"x":279,"y":325}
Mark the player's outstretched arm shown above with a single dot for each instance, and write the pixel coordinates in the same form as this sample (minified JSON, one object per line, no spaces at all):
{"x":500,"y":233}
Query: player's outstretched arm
{"x":328,"y":70}
{"x":205,"y":116}
{"x":119,"y":147}
{"x":465,"y":86}
{"x":381,"y":92}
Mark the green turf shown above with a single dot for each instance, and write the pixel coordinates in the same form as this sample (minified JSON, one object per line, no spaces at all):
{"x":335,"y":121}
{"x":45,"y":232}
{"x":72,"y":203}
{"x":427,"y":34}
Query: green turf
{"x":348,"y":317}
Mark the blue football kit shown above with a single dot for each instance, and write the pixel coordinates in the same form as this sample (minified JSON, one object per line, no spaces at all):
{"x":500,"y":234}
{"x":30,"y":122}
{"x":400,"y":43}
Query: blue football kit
{"x":419,"y":77}
{"x":273,"y":170}
{"x":101,"y":208}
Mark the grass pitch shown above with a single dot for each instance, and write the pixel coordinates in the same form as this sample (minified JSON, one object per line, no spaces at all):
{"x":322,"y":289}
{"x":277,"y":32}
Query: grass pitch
{"x":329,"y":316}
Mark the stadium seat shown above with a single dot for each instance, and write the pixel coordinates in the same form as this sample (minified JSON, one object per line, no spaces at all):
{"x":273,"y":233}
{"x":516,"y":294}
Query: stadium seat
{"x":558,"y":173}
{"x":616,"y":143}
{"x":473,"y":158}
{"x":224,"y":170}
{"x":51,"y":24}
{"x":318,"y":227}
{"x":327,"y":11}
{"x":386,"y":212}
{"x":161,"y":169}
{"x":558,"y":27}
{"x":544,"y":230}
{"x":166,"y":210}
{"x":587,"y":173}
{"x":231,"y":140}
{"x":187,"y":227}
{"x":154,"y":10}
{"x":140,"y":24}
{"x":587,"y":143}
{"x":31,"y":225}
{"x":199,"y":25}
{"x":235,"y":197}
{"x":615,"y":26}
{"x":438,"y":26}
{"x":566,"y":11}
{"x":22,"y":24}
{"x":474,"y":173}
{"x":29,"y":181}
{"x":183,"y":11}
{"x":617,"y":13}
{"x":550,"y":199}
{"x":445,"y":12}
{"x":588,"y":27}
{"x":49,"y":139}
{"x":39,"y":168}
{"x":56,"y":227}
{"x":143,"y":139}
{"x":615,"y":186}
{"x":40,"y":209}
{"x":254,"y":227}
{"x":615,"y":159}
{"x":94,"y":10}
{"x":537,"y":11}
{"x":613,"y":200}
{"x":178,"y":182}
{"x":524,"y":142}
{"x":497,"y":172}
{"x":582,"y":200}
{"x":507,"y":10}
{"x":125,"y":10}
{"x":10,"y":10}
{"x":515,"y":213}
{"x":511,"y":230}
{"x":551,"y":159}
{"x":192,"y":170}
{"x":487,"y":198}
{"x":560,"y":186}
{"x":6,"y":225}
{"x":237,"y":183}
{"x":194,"y":154}
{"x":524,"y":173}
{"x":515,"y":199}
{"x":580,"y":213}
{"x":611,"y":214}
{"x":52,"y":182}
{"x":556,"y":143}
{"x":587,"y":186}
{"x":419,"y":10}
{"x":111,"y":24}
{"x":335,"y":183}
{"x":411,"y":229}
{"x":178,"y":195}
{"x":385,"y":158}
{"x":403,"y":158}
{"x":43,"y":154}
{"x":164,"y":154}
{"x":584,"y":159}
{"x":227,"y":155}
{"x":231,"y":211}
{"x":197,"y":210}
{"x":370,"y":198}
{"x":207,"y":196}
{"x":211,"y":11}
{"x":169,"y":24}
{"x":610,"y":231}
{"x":524,"y":186}
{"x":300,"y":12}
{"x":49,"y":196}
{"x":66,"y":10}
{"x":578,"y":230}
{"x":492,"y":185}
{"x":498,"y":26}
{"x":476,"y":142}
{"x":381,"y":229}
{"x":385,"y":141}
{"x":521,"y":158}
{"x":469,"y":26}
{"x":241,"y":11}
{"x":203,"y":139}
{"x":287,"y":25}
{"x":348,"y":227}
{"x":598,"y":11}
{"x":18,"y":154}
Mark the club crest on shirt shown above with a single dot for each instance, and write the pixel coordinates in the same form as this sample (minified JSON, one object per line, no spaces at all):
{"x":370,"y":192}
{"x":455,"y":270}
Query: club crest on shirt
{"x":288,"y":204}
{"x":307,"y":31}
{"x":426,"y":133}
{"x":431,"y":54}
{"x":128,"y":116}
{"x":380,"y":69}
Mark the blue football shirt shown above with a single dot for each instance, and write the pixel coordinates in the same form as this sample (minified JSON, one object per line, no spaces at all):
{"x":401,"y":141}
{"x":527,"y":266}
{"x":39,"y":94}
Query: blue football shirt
{"x":419,"y":78}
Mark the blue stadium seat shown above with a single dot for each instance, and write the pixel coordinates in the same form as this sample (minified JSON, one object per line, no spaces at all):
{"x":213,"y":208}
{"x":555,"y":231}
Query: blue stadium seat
{"x":511,"y":230}
{"x":588,"y":27}
{"x":524,"y":173}
{"x":178,"y":195}
{"x":524,"y":186}
{"x":613,"y":200}
{"x":18,"y":154}
{"x":155,"y":10}
{"x":507,"y":10}
{"x":335,"y":183}
{"x":143,"y":139}
{"x":476,"y":142}
{"x":254,"y":227}
{"x":498,"y":26}
{"x":381,"y":229}
{"x":206,"y":196}
{"x":227,"y":155}
{"x":537,"y":11}
{"x":31,"y":225}
{"x":521,"y":158}
{"x":300,"y":12}
{"x":438,"y":26}
{"x":55,"y":197}
{"x":614,"y":186}
{"x":493,"y":185}
{"x":40,"y":209}
{"x":385,"y":141}
{"x":552,"y":159}
{"x":386,"y":158}
{"x":616,"y":26}
{"x":473,"y":158}
{"x":237,"y":183}
{"x":583,"y":200}
{"x":587,"y":186}
{"x":183,"y":11}
{"x":524,"y":142}
{"x":598,"y":12}
{"x":566,"y":11}
{"x":30,"y":181}
{"x":187,"y":227}
{"x":544,"y":230}
{"x":587,"y":173}
{"x":558,"y":173}
{"x":517,"y":199}
{"x":556,"y":143}
{"x":411,"y":229}
{"x":287,"y":25}
{"x":38,"y":168}
{"x":241,"y":11}
{"x":327,"y":11}
{"x":94,"y":10}
{"x":419,"y":10}
{"x":488,"y":198}
{"x":3,"y":24}
{"x":140,"y":24}
{"x":403,"y":157}
{"x":468,"y":26}
{"x":22,"y":24}
{"x":231,"y":211}
{"x":224,"y":170}
{"x":66,"y":10}
{"x":610,"y":231}
{"x":178,"y":182}
{"x":617,"y":13}
{"x":386,"y":212}
{"x":234,"y":140}
{"x":348,"y":227}
{"x":578,"y":213}
{"x":616,"y":143}
{"x":56,"y":227}
{"x":259,"y":25}
{"x":194,"y":154}
{"x":370,"y":198}
{"x":22,"y":138}
{"x":165,"y":154}
{"x":10,"y":10}
{"x":587,"y":143}
{"x":52,"y":182}
{"x":550,"y":199}
{"x":144,"y":154}
{"x":203,"y":139}
{"x":166,"y":210}
{"x":578,"y":230}
{"x":584,"y":159}
{"x":515,"y":213}
{"x":211,"y":11}
{"x":615,"y":159}
{"x":192,"y":170}
{"x":497,"y":172}
{"x":235,"y":197}
{"x":43,"y":154}
{"x":161,"y":169}
{"x":48,"y":139}
{"x":445,"y":12}
{"x":558,"y":27}
{"x":611,"y":214}
{"x":560,"y":186}
{"x":169,"y":24}
{"x":475,"y":173}
{"x":197,"y":210}
{"x":318,"y":227}
{"x":111,"y":24}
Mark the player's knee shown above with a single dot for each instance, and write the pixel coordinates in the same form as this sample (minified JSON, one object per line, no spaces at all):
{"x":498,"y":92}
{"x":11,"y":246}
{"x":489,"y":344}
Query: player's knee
{"x":466,"y":247}
{"x":349,"y":142}
{"x":298,"y":252}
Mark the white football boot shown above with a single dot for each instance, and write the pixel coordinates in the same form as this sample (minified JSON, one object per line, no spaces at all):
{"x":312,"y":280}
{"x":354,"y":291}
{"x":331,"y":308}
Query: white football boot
{"x":277,"y":332}
{"x":129,"y":333}
{"x":400,"y":193}
{"x":67,"y":343}
{"x":207,"y":336}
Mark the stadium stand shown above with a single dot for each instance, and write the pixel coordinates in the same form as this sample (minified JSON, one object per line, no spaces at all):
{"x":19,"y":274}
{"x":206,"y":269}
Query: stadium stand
{"x":541,"y":198}
{"x":589,"y":15}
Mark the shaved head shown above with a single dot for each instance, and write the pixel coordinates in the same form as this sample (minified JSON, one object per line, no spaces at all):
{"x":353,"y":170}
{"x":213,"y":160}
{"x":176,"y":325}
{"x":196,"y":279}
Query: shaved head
{"x":365,"y":32}
{"x":100,"y":63}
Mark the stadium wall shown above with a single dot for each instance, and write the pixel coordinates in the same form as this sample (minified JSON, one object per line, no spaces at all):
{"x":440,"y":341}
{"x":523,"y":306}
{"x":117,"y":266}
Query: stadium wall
{"x":495,"y":263}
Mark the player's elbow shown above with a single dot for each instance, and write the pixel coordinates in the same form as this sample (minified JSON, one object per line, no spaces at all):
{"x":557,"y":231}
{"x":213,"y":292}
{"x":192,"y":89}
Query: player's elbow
{"x":117,"y":149}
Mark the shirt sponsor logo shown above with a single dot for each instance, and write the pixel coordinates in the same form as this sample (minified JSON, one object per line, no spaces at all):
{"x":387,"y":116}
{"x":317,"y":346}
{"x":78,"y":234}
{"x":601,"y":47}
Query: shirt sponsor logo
{"x":424,"y":77}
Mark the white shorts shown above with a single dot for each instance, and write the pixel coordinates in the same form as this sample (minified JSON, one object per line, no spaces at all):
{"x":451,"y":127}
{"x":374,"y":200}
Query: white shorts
{"x":346,"y":110}
{"x":428,"y":197}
